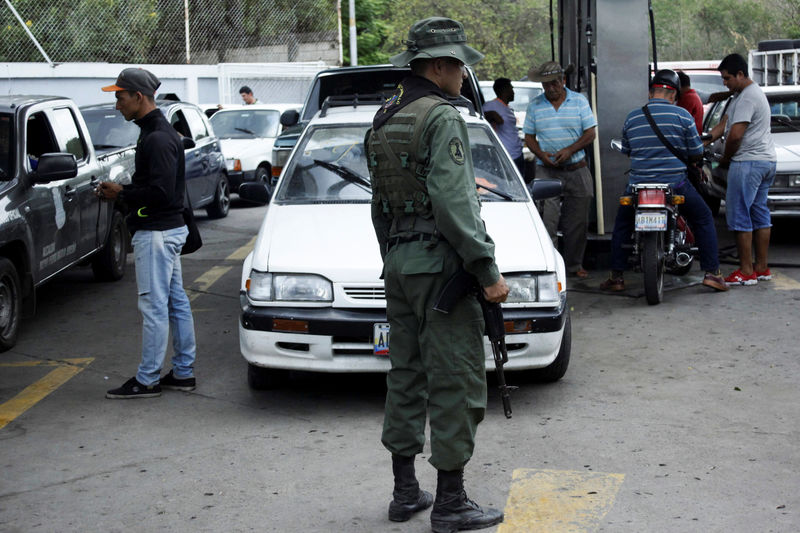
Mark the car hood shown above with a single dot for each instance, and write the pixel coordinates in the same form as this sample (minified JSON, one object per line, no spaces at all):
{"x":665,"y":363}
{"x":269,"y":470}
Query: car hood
{"x":787,"y":148}
{"x":242,"y":148}
{"x":338,"y":241}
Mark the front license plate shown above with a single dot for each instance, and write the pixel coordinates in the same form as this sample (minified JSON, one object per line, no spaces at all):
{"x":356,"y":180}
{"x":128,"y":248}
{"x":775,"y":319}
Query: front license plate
{"x":651,"y":221}
{"x":380,"y":339}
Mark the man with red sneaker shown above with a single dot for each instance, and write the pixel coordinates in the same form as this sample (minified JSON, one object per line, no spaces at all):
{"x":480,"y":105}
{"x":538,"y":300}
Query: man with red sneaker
{"x":751,"y":159}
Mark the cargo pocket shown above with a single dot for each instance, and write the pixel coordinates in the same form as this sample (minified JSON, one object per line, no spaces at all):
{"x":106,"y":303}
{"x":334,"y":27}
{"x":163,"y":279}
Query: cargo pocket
{"x":455,"y":341}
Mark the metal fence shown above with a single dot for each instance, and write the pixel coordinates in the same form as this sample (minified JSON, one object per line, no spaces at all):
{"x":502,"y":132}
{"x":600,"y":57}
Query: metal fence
{"x":170,"y":31}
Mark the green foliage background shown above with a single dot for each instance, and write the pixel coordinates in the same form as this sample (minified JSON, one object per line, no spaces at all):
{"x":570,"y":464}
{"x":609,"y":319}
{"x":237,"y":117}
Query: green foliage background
{"x":516,"y":34}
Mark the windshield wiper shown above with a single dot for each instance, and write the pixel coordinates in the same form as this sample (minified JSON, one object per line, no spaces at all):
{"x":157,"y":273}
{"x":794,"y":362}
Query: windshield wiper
{"x":106,"y":146}
{"x":498,"y":193}
{"x":783,"y":120}
{"x":245,"y":130}
{"x":346,"y":174}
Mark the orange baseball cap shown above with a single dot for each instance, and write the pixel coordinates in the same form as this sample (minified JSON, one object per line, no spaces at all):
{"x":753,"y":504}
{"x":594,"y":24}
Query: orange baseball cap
{"x":135,"y":79}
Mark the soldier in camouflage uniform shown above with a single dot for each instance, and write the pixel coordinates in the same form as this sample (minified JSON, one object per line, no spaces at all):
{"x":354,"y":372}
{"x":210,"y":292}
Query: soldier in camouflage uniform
{"x":426,"y":214}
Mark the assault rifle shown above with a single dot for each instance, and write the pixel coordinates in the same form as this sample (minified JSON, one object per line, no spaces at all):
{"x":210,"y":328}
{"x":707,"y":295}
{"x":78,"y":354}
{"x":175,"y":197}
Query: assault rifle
{"x":458,"y":286}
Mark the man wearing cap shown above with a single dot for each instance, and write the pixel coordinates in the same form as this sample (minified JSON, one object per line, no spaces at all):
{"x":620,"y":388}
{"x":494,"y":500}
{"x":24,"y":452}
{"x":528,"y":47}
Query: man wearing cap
{"x":652,"y":161}
{"x":559,"y":124}
{"x":154,"y":200}
{"x":426,"y":215}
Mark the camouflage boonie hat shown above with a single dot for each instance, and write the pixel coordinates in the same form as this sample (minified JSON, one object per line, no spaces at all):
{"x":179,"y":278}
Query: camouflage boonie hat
{"x":436,"y":37}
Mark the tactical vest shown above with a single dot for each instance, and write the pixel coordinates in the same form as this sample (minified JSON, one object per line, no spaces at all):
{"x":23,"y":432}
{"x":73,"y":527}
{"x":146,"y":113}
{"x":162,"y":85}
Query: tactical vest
{"x":399,"y":177}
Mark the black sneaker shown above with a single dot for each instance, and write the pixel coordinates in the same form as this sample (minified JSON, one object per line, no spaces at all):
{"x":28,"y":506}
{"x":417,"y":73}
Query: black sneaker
{"x":133,"y":389}
{"x":171,"y":382}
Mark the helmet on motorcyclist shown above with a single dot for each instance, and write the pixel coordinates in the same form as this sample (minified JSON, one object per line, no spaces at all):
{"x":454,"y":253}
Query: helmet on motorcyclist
{"x":666,"y":79}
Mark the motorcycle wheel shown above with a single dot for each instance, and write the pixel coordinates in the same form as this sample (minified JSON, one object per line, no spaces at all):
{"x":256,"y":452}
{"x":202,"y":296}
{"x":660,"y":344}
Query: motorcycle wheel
{"x":653,"y":267}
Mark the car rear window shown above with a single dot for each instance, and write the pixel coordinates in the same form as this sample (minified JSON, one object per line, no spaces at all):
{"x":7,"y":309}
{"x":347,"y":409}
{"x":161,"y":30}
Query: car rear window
{"x":109,"y":129}
{"x":246,"y":124}
{"x":329,"y":166}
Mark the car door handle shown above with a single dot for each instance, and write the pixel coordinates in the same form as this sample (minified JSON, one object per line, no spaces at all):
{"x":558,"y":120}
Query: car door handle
{"x":69,"y":191}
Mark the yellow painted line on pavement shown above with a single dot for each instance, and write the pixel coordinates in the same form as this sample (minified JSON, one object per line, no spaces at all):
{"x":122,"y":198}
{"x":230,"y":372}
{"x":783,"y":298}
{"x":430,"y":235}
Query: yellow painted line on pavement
{"x":212,"y":275}
{"x":559,"y":501}
{"x":783,"y":282}
{"x":34,"y":393}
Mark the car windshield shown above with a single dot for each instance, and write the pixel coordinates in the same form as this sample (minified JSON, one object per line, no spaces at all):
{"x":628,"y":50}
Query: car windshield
{"x":6,"y":142}
{"x":109,"y":129}
{"x":522,"y":96}
{"x":706,"y":84}
{"x":246,"y":123}
{"x":785,"y":110}
{"x":329,"y":166}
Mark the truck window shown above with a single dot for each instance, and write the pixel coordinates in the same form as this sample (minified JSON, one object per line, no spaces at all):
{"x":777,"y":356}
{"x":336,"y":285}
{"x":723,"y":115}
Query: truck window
{"x":196,"y":124}
{"x":39,"y":138}
{"x":68,"y":133}
{"x":6,"y":142}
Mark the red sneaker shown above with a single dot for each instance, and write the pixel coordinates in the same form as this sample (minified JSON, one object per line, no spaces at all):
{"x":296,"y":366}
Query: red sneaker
{"x":737,"y":278}
{"x":764,"y":275}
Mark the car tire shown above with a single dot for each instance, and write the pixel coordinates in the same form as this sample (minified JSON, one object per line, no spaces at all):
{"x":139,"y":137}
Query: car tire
{"x":555,"y":370}
{"x":109,"y":263}
{"x":260,"y":378}
{"x":10,"y":304}
{"x":219,"y":207}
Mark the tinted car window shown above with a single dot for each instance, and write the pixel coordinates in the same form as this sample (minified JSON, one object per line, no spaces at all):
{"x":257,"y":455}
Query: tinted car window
{"x":68,"y":134}
{"x":6,"y":142}
{"x":308,"y":181}
{"x":196,"y":124}
{"x":785,"y":109}
{"x":109,"y":129}
{"x":39,"y":138}
{"x":246,"y":124}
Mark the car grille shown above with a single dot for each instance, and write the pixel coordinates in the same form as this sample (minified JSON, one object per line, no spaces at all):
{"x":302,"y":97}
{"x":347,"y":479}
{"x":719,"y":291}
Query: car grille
{"x":351,"y":346}
{"x":375,"y":292}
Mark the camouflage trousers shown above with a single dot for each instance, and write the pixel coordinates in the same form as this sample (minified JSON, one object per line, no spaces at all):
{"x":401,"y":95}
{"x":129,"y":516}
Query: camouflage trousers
{"x":437,"y":359}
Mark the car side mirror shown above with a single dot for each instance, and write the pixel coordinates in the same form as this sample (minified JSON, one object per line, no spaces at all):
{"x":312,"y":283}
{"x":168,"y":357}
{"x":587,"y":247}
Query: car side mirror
{"x":543,"y":188}
{"x":290,"y":117}
{"x":188,"y":143}
{"x":255,"y":192}
{"x":56,"y":167}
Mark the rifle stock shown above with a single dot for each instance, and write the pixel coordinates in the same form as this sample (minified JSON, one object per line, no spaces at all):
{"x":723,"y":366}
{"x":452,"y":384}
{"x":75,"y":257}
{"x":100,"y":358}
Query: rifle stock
{"x":458,"y":286}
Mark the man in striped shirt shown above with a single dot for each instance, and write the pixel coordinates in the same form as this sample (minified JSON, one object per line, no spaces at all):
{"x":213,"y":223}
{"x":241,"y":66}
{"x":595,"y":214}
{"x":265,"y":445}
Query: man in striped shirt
{"x":559,"y":124}
{"x":652,"y":161}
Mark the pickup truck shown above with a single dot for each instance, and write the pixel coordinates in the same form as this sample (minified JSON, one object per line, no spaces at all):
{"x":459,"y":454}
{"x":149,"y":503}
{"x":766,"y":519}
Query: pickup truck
{"x":363,"y":80}
{"x":50,"y":218}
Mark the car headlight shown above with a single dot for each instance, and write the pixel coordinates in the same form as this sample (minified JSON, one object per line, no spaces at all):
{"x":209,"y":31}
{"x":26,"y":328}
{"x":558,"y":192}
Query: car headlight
{"x":532,"y":288}
{"x":264,"y":286}
{"x":233,"y":164}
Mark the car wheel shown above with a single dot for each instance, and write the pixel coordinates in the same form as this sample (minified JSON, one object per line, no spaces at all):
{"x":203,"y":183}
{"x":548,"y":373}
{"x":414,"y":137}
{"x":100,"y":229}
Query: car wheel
{"x":222,"y":200}
{"x":555,"y":370}
{"x":260,"y":378}
{"x":10,"y":304}
{"x":109,"y":263}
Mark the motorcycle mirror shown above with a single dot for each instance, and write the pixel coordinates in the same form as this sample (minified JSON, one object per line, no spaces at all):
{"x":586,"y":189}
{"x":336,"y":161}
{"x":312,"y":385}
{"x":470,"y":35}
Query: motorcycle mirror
{"x":616,"y":144}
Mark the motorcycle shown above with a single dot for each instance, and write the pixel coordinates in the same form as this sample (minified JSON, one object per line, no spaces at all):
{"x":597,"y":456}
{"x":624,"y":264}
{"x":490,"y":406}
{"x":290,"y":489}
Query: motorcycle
{"x":662,"y":239}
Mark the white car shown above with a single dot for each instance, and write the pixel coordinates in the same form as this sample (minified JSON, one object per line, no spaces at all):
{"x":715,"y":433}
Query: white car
{"x":246,"y":134}
{"x":311,"y":294}
{"x":783,"y":197}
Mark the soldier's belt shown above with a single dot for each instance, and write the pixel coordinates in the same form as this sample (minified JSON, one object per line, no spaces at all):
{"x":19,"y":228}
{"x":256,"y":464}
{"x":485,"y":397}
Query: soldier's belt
{"x":394,"y":241}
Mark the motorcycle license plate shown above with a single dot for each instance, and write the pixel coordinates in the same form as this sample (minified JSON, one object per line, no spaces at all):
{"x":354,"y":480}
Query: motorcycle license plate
{"x":651,"y":221}
{"x":380,"y":339}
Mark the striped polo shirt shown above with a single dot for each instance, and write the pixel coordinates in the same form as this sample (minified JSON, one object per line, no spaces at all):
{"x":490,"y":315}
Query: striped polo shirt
{"x":555,"y":130}
{"x":650,"y":159}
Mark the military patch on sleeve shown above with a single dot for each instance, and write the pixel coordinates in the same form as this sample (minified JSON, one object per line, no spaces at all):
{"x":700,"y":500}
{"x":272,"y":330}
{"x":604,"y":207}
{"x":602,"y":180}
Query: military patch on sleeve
{"x":457,"y":150}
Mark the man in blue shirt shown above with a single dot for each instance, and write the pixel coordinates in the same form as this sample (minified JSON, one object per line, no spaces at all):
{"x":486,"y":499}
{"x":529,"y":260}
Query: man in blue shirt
{"x":559,"y":124}
{"x":504,"y":121}
{"x":651,"y":161}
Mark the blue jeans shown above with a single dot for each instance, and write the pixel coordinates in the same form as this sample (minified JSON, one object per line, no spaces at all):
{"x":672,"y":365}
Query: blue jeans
{"x":697,"y":213}
{"x":163,"y":303}
{"x":746,"y":199}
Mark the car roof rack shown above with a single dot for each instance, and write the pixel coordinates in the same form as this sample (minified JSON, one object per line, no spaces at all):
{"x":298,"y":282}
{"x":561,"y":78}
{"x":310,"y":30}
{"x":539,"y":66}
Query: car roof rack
{"x":355,"y":100}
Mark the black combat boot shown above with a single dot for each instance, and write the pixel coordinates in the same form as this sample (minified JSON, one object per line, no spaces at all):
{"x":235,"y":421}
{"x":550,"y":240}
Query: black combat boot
{"x":408,"y":497}
{"x":453,"y":511}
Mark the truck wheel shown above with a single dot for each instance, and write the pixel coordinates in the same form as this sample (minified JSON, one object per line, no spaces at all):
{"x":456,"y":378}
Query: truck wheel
{"x":109,"y":263}
{"x":653,"y":266}
{"x":260,"y":378}
{"x":222,"y":200}
{"x":10,"y":304}
{"x":556,"y":370}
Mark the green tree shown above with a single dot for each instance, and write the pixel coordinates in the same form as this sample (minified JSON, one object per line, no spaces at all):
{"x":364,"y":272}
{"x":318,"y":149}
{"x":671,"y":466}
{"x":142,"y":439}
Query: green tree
{"x":373,"y":30}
